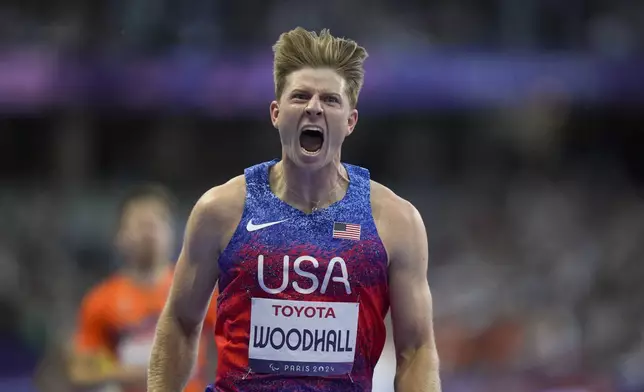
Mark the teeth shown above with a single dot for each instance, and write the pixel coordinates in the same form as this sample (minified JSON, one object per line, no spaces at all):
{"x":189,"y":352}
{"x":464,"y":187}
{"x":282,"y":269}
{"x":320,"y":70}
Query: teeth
{"x":314,"y":129}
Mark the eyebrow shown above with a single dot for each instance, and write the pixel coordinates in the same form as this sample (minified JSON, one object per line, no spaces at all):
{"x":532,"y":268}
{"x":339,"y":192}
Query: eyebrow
{"x":327,"y":93}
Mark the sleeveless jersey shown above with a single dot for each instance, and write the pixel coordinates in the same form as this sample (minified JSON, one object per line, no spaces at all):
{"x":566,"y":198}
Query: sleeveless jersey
{"x":302,"y":297}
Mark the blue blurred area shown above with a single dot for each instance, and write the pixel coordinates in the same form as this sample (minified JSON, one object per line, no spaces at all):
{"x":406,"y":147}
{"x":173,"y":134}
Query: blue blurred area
{"x":18,"y":362}
{"x":399,"y":82}
{"x":16,"y":357}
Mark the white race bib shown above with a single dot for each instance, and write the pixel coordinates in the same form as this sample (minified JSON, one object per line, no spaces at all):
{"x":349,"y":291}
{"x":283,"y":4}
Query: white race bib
{"x":135,"y":351}
{"x":302,"y":338}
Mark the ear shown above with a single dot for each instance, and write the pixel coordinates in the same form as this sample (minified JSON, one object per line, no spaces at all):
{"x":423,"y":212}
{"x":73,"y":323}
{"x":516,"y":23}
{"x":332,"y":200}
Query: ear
{"x":275,"y":110}
{"x":352,"y":121}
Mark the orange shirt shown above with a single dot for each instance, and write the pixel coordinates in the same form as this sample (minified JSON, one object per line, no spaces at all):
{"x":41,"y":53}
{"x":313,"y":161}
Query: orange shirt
{"x":119,"y":318}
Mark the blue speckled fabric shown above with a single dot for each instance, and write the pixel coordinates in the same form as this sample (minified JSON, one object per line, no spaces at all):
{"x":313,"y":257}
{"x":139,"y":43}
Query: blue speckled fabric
{"x":268,"y":231}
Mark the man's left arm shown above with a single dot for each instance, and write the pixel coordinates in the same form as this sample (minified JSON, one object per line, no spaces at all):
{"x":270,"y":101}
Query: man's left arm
{"x":417,"y":368}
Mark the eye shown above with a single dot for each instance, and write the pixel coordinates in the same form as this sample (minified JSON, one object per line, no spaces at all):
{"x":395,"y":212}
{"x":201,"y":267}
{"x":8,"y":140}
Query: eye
{"x":332,"y":99}
{"x":299,"y":96}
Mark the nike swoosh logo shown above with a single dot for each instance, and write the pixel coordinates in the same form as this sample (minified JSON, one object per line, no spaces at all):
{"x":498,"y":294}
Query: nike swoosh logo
{"x":252,"y":227}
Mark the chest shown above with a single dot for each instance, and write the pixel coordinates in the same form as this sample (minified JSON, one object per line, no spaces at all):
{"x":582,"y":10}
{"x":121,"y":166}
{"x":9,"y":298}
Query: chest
{"x":133,"y":317}
{"x":131,"y":306}
{"x":319,"y":255}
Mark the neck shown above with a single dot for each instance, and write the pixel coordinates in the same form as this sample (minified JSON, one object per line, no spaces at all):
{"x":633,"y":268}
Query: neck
{"x":309,"y":189}
{"x":147,"y":272}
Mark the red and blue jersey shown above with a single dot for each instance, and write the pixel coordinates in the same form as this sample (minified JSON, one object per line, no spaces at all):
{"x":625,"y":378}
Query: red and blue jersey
{"x":302,"y":297}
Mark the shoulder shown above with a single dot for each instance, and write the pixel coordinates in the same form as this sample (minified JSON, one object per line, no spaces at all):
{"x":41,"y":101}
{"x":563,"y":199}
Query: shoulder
{"x":223,"y":200}
{"x":218,"y":211}
{"x":399,"y":223}
{"x":393,"y":209}
{"x":100,"y":296}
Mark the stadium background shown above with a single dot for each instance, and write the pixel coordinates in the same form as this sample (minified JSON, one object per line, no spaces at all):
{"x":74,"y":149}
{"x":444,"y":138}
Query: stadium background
{"x":516,"y":128}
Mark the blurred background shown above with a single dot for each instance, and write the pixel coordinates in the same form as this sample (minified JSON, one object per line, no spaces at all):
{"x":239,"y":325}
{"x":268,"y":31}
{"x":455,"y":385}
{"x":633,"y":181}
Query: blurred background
{"x":515,"y":127}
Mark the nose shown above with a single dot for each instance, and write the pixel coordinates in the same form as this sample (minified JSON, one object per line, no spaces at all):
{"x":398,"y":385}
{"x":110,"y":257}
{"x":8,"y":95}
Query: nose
{"x":314,"y":108}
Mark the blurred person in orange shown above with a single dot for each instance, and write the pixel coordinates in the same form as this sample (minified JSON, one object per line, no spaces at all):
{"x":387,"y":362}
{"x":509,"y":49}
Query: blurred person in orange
{"x":118,"y":316}
{"x":308,"y":253}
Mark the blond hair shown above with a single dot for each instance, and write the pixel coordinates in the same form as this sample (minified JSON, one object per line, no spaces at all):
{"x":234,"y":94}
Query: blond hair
{"x":300,"y":48}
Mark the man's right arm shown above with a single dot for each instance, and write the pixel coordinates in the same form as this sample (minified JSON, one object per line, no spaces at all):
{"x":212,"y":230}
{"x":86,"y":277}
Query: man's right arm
{"x":176,"y":342}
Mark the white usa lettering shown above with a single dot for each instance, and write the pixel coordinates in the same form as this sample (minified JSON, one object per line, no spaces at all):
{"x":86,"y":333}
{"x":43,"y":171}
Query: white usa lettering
{"x":315,"y":283}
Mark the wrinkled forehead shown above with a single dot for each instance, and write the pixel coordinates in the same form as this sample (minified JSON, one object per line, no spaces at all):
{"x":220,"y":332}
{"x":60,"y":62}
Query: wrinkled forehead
{"x":322,"y":80}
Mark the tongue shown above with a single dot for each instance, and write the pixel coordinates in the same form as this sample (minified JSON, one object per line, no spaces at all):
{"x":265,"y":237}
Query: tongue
{"x":311,"y":141}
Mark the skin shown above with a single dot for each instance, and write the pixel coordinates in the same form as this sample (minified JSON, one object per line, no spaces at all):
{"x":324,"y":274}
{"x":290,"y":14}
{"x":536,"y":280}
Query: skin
{"x":312,"y":97}
{"x":144,"y":239}
{"x":303,"y":180}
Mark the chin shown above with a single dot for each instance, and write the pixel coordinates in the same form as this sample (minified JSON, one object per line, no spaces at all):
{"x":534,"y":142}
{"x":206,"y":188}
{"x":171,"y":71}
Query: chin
{"x":309,"y":160}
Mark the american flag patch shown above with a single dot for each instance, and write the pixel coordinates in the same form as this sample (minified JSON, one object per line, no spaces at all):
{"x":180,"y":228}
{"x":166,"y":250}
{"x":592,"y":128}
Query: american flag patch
{"x":348,"y":231}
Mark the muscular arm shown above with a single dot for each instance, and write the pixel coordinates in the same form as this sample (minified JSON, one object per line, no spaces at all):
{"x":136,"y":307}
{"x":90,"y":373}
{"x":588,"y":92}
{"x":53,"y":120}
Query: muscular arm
{"x":417,"y":367}
{"x":174,"y":352}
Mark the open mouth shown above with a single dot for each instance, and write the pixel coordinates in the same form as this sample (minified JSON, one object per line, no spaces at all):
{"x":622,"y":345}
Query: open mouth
{"x":311,"y":139}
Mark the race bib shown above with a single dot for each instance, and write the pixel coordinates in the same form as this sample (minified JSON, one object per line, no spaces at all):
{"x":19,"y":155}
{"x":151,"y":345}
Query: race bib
{"x":135,"y":351}
{"x":302,"y":338}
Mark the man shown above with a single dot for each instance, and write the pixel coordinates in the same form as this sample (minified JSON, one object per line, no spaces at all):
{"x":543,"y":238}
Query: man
{"x":118,"y":317}
{"x":308,"y":253}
